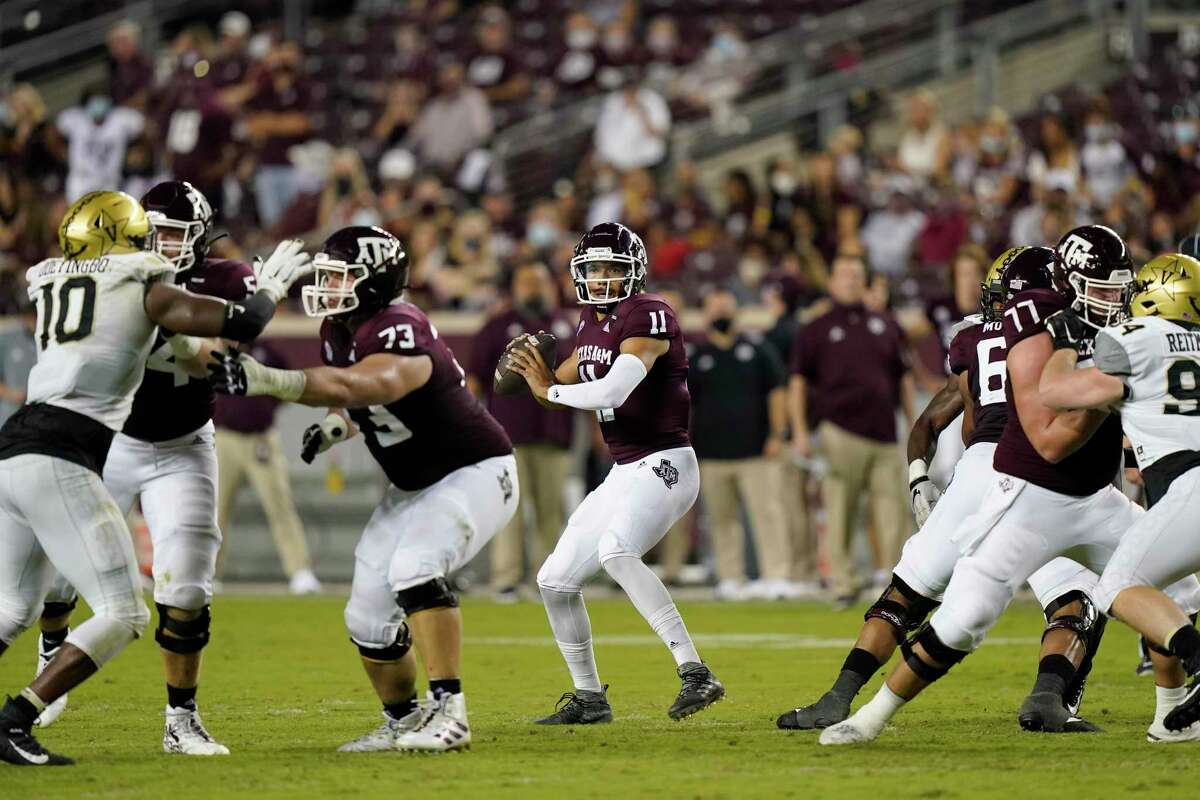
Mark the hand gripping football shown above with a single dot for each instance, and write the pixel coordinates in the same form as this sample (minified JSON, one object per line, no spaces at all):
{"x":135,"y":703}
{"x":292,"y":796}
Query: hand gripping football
{"x":506,"y":381}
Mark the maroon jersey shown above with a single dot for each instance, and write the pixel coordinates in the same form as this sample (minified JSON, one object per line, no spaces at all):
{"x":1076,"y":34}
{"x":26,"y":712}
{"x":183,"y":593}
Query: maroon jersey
{"x":431,"y":432}
{"x":171,"y":403}
{"x":978,"y":349}
{"x":1089,"y":468}
{"x":658,"y":412}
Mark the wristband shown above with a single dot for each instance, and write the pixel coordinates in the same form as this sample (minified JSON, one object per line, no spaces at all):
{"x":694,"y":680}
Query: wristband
{"x":918,"y":471}
{"x":184,"y":347}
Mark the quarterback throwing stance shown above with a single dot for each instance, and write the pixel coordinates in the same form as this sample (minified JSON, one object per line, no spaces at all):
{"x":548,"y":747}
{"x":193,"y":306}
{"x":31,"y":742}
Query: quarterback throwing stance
{"x":165,"y":456}
{"x":1148,"y":369}
{"x":628,"y":367}
{"x":976,"y":389}
{"x":99,"y":310}
{"x":1052,"y":491}
{"x":453,"y":476}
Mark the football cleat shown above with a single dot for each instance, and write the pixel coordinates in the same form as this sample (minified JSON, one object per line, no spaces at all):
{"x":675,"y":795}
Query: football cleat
{"x":700,"y":690}
{"x":442,"y":728}
{"x":184,"y":733}
{"x":1187,"y":712}
{"x":53,"y":711}
{"x":304,"y":582}
{"x":854,"y":730}
{"x":1158,"y":733}
{"x":17,"y":746}
{"x":1044,"y":712}
{"x":829,"y":710}
{"x":386,"y":736}
{"x":580,"y":707}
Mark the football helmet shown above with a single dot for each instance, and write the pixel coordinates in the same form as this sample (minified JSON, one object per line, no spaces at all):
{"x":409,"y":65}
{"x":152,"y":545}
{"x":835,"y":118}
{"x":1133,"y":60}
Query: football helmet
{"x":991,"y":292}
{"x":1094,"y":269}
{"x":1029,"y":268}
{"x":104,"y":224}
{"x":1168,"y":287}
{"x":606,"y":244}
{"x":360,"y":268}
{"x":179,"y":206}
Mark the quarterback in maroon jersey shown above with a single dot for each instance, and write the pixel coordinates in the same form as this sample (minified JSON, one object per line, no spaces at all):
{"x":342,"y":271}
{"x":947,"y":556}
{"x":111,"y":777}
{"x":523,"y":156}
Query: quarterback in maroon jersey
{"x":453,"y":476}
{"x":976,"y":389}
{"x":629,"y":367}
{"x":165,"y":456}
{"x":1051,"y":494}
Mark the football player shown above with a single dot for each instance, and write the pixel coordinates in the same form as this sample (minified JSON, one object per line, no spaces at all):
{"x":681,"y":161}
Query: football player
{"x":453,"y":476}
{"x":629,"y":367}
{"x":1148,"y":370}
{"x":167,"y":458}
{"x":976,"y":390}
{"x":1051,"y":494}
{"x":100,"y":306}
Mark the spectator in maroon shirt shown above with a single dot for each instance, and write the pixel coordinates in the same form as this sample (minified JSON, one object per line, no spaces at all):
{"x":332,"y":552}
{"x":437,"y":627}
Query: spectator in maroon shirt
{"x":576,"y":68}
{"x":494,"y":67}
{"x":232,"y":64}
{"x":199,"y":139}
{"x":277,"y":119}
{"x":540,"y":437}
{"x":130,"y":71}
{"x":850,"y":370}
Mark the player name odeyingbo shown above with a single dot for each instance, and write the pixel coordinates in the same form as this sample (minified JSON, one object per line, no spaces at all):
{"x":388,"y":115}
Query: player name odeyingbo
{"x":60,"y":266}
{"x":1183,"y":342}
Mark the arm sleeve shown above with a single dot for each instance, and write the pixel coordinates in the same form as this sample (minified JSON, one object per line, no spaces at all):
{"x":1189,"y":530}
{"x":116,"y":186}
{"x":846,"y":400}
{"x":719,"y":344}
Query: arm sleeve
{"x":611,"y":391}
{"x":1110,"y":356}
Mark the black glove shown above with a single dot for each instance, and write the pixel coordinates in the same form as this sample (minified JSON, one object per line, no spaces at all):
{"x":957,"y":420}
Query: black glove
{"x":227,"y":374}
{"x":1067,"y":330}
{"x":314,"y":437}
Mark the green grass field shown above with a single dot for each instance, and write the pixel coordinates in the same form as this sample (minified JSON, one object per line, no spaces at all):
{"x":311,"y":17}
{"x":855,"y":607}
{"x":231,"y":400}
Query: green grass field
{"x":282,"y":687}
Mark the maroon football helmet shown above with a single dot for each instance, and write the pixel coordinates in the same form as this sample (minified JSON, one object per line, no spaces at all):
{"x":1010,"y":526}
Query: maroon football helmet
{"x":1094,"y":269}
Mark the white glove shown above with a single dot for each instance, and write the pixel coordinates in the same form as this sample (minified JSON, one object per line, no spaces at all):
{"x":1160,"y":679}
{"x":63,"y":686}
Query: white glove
{"x":923,"y":493}
{"x":286,"y":265}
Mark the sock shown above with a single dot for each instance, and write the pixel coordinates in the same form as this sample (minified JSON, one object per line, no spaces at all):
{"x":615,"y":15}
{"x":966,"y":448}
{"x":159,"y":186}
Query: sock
{"x":1054,"y":675}
{"x":1165,"y":699}
{"x":573,"y":633}
{"x":443,"y":686}
{"x":401,"y":709}
{"x":22,"y":710}
{"x":654,"y":603}
{"x":882,"y":707}
{"x":181,"y":698}
{"x":52,"y":640}
{"x":1185,"y":644}
{"x":858,"y":668}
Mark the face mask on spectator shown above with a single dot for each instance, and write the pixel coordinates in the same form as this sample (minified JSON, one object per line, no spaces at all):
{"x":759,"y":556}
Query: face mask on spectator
{"x":725,"y":44}
{"x":722,"y":324}
{"x":581,"y":39}
{"x":1096,"y":132}
{"x":366,"y":217}
{"x":98,"y":106}
{"x":784,"y":183}
{"x":542,"y":235}
{"x":991,"y":144}
{"x":1185,"y":132}
{"x":662,"y":43}
{"x":343,"y":185}
{"x":534,"y":306}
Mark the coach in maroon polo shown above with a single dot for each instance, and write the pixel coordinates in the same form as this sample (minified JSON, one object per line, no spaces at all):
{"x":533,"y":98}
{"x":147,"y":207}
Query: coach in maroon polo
{"x":851,"y":371}
{"x":540,"y":437}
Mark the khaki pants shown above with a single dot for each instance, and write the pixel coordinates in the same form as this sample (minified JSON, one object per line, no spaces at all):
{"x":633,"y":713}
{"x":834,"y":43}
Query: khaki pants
{"x":672,"y":551}
{"x":858,"y":465}
{"x":755,"y":483}
{"x":541,"y":469}
{"x":802,"y":533}
{"x":259,"y":458}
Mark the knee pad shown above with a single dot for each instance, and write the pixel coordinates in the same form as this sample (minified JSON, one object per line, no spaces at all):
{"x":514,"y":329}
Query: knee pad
{"x":435,"y":593}
{"x":14,"y":621}
{"x":191,"y":636}
{"x":936,"y":649}
{"x":102,"y":637}
{"x":393,"y":652}
{"x":903,"y":618}
{"x":553,"y":576}
{"x":611,"y":546}
{"x":54,"y":608}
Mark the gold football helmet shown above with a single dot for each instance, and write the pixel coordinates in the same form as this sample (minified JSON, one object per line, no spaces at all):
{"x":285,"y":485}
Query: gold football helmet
{"x":992,"y":290}
{"x":1168,"y":287}
{"x":104,"y":224}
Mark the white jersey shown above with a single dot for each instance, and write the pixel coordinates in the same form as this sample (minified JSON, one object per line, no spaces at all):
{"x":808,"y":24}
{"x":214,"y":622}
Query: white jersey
{"x":93,"y":334}
{"x":1159,"y":361}
{"x":96,"y":151}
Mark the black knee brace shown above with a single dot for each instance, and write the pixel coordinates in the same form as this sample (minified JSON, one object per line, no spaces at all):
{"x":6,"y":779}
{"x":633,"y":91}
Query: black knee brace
{"x":393,"y":652}
{"x":52,"y":610}
{"x":903,"y":619}
{"x":935,"y":648}
{"x":1088,"y":624}
{"x":431,"y":594}
{"x":191,"y":636}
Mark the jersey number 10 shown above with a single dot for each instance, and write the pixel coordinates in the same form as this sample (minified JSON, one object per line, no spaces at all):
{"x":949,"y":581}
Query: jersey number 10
{"x":76,"y":304}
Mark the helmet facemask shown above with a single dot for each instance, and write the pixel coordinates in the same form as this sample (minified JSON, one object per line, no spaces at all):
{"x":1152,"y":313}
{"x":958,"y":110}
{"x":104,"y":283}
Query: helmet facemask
{"x":181,"y":252}
{"x":1102,"y":303}
{"x":606,"y":291}
{"x":335,"y":290}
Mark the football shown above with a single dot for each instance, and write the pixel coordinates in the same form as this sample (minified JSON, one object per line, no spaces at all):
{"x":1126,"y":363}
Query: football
{"x":506,"y":381}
